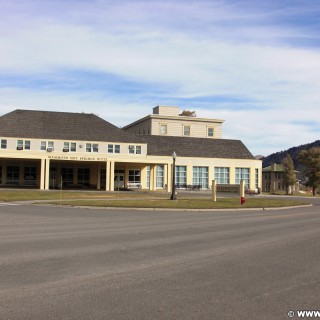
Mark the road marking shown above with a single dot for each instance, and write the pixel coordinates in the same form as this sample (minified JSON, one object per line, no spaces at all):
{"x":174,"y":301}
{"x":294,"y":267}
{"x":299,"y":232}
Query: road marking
{"x":8,"y":204}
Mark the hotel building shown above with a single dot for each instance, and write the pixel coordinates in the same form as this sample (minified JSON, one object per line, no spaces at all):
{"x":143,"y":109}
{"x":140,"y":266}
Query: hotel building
{"x":49,"y":150}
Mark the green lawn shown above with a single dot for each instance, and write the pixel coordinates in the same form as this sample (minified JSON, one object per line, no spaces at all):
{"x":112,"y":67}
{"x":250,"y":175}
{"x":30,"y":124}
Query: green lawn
{"x":190,"y":203}
{"x":143,"y":200}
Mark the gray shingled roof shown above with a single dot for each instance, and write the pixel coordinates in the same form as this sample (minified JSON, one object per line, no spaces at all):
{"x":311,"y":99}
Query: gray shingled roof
{"x":197,"y":147}
{"x":61,"y":125}
{"x":89,"y":127}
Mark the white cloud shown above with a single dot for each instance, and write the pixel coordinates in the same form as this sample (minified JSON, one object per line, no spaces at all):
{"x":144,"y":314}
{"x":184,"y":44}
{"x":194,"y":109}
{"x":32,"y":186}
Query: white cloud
{"x":191,"y":50}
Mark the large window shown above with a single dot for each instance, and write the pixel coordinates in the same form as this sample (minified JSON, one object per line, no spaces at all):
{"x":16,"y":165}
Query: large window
{"x":134,"y":176}
{"x":181,"y":177}
{"x":84,"y":176}
{"x":67,"y":176}
{"x":13,"y":174}
{"x":3,"y":144}
{"x":160,"y":177}
{"x":148,"y":177}
{"x":222,"y":175}
{"x":257,"y":178}
{"x":30,"y":176}
{"x":200,"y":177}
{"x":103,"y":178}
{"x":243,"y":174}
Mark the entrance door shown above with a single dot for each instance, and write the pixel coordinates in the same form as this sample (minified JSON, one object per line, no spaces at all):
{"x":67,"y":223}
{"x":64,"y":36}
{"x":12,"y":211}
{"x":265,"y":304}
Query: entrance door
{"x":118,"y":180}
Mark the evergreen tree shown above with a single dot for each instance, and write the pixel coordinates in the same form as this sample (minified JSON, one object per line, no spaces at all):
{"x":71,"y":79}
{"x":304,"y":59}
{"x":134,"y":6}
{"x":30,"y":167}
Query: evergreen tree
{"x":289,"y":177}
{"x":311,"y":160}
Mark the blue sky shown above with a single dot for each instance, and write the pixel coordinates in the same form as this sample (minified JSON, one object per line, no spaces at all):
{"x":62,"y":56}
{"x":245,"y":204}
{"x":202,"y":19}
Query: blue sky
{"x":255,"y":64}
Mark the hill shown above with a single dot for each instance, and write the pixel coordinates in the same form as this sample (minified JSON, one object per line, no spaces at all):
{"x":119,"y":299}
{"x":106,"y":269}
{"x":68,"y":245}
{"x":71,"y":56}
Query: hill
{"x":293,"y":152}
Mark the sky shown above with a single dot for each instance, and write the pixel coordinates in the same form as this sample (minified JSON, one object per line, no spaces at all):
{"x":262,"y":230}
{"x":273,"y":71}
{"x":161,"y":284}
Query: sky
{"x":254,"y":64}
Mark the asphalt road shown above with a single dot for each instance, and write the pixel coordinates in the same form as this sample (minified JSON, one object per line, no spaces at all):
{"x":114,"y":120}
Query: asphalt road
{"x":69,"y":263}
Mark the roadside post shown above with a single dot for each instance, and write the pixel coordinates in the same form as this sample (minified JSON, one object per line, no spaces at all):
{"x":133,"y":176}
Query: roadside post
{"x":242,"y":198}
{"x":214,"y":191}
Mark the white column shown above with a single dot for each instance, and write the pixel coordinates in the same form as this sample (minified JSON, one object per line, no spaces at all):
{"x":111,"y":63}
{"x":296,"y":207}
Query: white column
{"x":111,"y":175}
{"x":47,"y":175}
{"x":42,"y":173}
{"x":169,"y":177}
{"x":107,"y":175}
{"x":98,"y":176}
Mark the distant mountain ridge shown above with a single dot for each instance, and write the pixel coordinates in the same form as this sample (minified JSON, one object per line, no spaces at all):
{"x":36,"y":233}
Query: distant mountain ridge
{"x":293,"y":152}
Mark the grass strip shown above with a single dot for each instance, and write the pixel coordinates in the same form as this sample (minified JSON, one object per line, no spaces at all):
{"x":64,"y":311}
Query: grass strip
{"x":223,"y":203}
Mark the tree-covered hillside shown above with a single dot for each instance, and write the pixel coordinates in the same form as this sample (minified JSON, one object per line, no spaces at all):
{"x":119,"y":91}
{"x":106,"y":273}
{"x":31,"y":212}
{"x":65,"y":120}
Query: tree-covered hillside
{"x":293,"y":152}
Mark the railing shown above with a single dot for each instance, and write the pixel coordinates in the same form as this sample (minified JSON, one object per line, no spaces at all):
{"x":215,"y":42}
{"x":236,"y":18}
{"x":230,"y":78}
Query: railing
{"x":189,"y":187}
{"x":133,"y":185}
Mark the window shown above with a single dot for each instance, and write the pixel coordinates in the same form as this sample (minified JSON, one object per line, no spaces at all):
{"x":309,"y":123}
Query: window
{"x":67,"y":176}
{"x":92,"y":147}
{"x":134,"y":149}
{"x":257,"y":178}
{"x":159,"y":176}
{"x":113,"y":148}
{"x":163,"y":129}
{"x":23,"y":144}
{"x":69,"y":146}
{"x":3,"y":144}
{"x":186,"y":130}
{"x":73,"y":147}
{"x":222,"y":175}
{"x":200,"y":177}
{"x":84,"y":176}
{"x":148,"y":177}
{"x":43,"y":145}
{"x":0,"y":174}
{"x":30,"y":176}
{"x":27,"y":144}
{"x":210,"y":132}
{"x":243,"y":174}
{"x":181,"y":176}
{"x":134,"y":176}
{"x":13,"y":175}
{"x":46,"y":145}
{"x":103,"y":176}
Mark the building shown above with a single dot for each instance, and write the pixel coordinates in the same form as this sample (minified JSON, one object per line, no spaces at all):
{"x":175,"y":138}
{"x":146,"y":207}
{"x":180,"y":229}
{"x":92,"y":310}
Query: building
{"x":272,"y":179}
{"x":166,"y":121}
{"x":48,"y":150}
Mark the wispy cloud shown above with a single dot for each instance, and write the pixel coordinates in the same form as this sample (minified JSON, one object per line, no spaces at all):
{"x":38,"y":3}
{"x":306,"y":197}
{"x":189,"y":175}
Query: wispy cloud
{"x":254,"y":64}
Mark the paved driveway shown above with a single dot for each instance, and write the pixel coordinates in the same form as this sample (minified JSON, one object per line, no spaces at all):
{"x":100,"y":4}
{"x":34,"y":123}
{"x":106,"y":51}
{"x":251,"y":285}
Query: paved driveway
{"x":66,"y":263}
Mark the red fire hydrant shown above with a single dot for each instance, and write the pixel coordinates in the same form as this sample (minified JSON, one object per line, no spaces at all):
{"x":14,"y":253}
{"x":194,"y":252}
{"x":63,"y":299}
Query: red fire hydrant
{"x":243,"y":200}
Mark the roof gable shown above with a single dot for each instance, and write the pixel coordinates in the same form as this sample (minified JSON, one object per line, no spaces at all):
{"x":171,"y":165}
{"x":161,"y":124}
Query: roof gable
{"x":60,"y":125}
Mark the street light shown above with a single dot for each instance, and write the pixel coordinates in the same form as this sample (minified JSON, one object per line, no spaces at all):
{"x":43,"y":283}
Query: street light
{"x":173,"y":194}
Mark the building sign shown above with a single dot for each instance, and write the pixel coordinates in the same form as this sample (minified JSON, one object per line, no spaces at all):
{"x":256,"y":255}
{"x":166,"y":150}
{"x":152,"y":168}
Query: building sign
{"x":75,"y":158}
{"x":234,"y":188}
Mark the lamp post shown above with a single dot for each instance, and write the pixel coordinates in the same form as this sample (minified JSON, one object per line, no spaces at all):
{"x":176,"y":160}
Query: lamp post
{"x":173,"y":194}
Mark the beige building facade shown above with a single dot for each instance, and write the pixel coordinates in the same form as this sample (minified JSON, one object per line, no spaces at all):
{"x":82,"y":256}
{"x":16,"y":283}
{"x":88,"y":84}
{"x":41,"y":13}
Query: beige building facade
{"x":166,"y":121}
{"x":49,"y":150}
